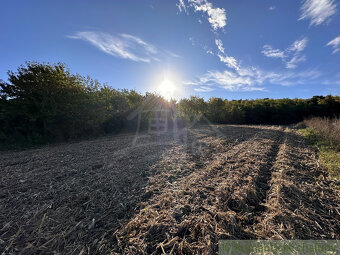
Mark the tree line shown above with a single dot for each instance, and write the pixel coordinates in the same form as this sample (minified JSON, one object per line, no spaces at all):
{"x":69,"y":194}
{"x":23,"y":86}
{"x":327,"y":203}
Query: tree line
{"x":259,"y":111}
{"x":42,"y":103}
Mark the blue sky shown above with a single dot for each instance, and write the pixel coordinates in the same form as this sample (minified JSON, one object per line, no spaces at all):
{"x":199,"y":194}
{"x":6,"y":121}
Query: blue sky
{"x":229,"y":49}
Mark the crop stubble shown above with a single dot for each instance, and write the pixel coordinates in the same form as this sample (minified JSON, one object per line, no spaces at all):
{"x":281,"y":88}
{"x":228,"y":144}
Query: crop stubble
{"x":164,"y":195}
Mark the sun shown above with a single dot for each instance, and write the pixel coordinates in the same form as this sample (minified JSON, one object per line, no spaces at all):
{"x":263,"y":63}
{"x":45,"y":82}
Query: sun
{"x":167,"y":89}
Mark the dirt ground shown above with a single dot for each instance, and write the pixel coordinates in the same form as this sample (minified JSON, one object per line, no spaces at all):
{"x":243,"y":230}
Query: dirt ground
{"x":165,"y":194}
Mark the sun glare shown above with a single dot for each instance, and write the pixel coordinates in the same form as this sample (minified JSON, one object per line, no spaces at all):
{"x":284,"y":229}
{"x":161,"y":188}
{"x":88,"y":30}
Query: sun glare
{"x":167,"y":89}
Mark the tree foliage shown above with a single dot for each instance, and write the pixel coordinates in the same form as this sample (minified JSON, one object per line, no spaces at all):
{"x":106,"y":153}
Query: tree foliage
{"x":44,"y":103}
{"x":260,"y":111}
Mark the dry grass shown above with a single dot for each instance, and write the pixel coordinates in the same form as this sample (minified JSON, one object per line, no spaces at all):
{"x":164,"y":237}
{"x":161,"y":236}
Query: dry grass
{"x":324,"y":133}
{"x":329,"y":129}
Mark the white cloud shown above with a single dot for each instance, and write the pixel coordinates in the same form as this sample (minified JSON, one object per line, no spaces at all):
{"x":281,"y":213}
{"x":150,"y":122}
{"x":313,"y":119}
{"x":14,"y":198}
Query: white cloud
{"x":268,"y":51}
{"x":296,"y":78}
{"x":229,"y":61}
{"x":272,"y":8}
{"x":130,"y":40}
{"x":249,"y":78}
{"x":217,"y":19}
{"x":292,"y":63}
{"x":335,"y":43}
{"x":299,"y":45}
{"x":203,"y":89}
{"x":252,"y":79}
{"x":219,"y":45}
{"x":291,"y":56}
{"x":171,"y":54}
{"x":122,"y":46}
{"x":318,"y":11}
{"x":216,"y":16}
{"x":181,"y":6}
{"x":242,"y":80}
{"x":239,"y":78}
{"x":125,"y":46}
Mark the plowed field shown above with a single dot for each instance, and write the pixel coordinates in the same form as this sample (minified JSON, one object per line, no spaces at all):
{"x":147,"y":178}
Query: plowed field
{"x":165,"y":194}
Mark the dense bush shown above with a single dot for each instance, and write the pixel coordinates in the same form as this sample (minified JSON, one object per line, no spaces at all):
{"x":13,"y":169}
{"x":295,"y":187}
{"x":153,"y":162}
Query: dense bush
{"x":44,"y":103}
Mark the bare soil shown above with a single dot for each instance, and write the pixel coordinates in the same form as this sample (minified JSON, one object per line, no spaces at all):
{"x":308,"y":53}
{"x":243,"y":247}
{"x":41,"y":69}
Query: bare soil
{"x":165,"y":194}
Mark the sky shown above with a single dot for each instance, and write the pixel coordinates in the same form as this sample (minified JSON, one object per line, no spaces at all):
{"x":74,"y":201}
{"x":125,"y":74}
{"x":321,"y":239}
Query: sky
{"x":230,"y":49}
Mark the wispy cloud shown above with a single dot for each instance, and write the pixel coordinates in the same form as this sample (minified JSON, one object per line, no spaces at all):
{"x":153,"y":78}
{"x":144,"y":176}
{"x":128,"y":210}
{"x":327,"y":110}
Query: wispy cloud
{"x":292,"y":78}
{"x":216,"y":16}
{"x":218,"y":20}
{"x":210,"y":52}
{"x":293,"y":62}
{"x":203,"y":89}
{"x":251,"y":79}
{"x":318,"y":11}
{"x":335,"y":44}
{"x":231,"y":80}
{"x":291,"y":56}
{"x":122,"y":46}
{"x":299,"y":45}
{"x":219,"y":45}
{"x":272,"y":8}
{"x":231,"y":62}
{"x":240,"y":78}
{"x":181,"y":6}
{"x":268,"y":51}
